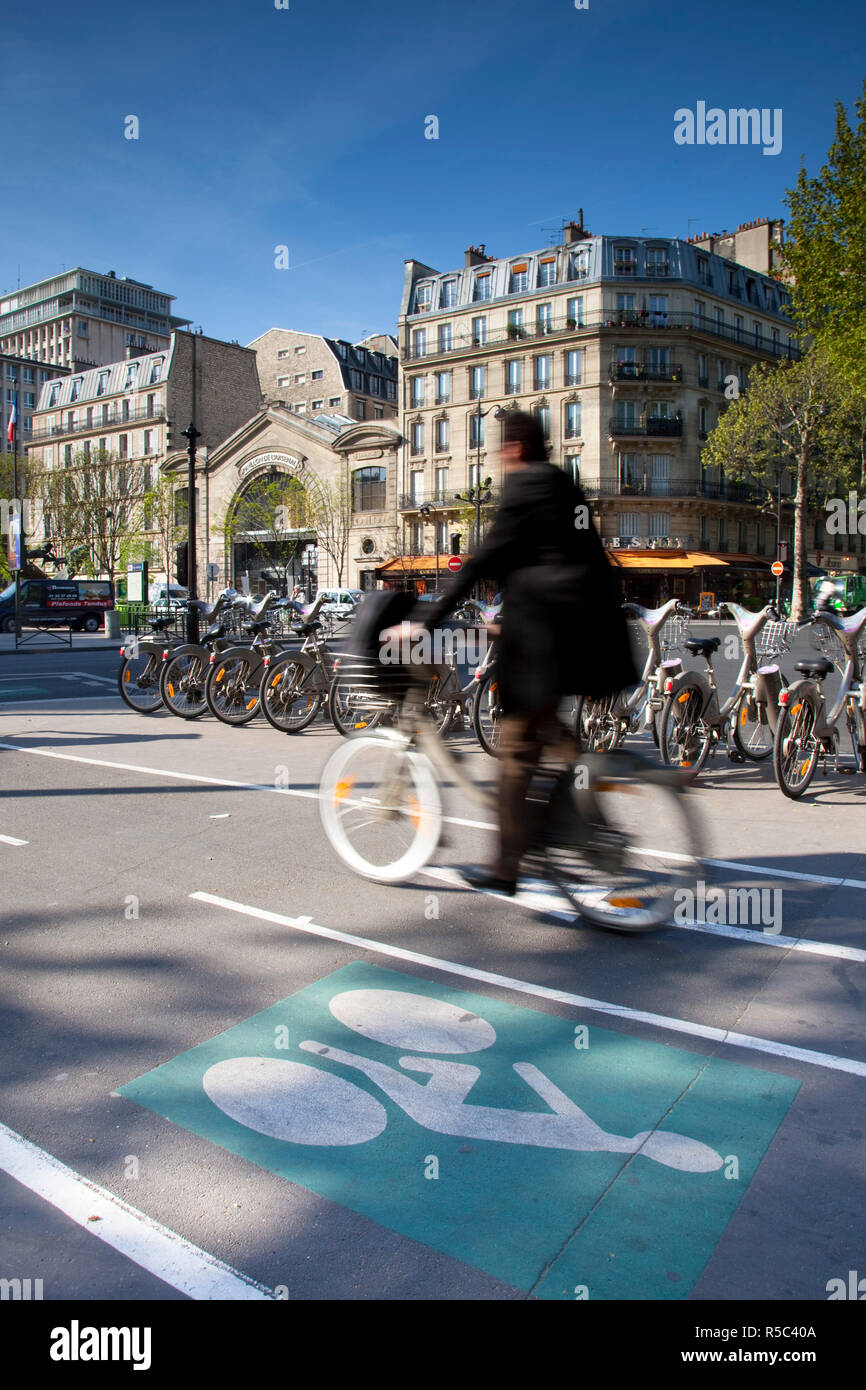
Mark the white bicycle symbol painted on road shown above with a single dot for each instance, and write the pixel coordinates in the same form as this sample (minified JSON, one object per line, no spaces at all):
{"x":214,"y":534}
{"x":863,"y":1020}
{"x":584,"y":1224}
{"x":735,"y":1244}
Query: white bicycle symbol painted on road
{"x":301,"y":1104}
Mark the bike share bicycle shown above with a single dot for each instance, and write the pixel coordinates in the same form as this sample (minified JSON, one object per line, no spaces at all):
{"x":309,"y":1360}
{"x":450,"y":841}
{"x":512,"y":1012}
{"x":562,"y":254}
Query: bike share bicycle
{"x":381,"y":809}
{"x":604,"y":721}
{"x":693,"y":724}
{"x":138,"y":678}
{"x":808,"y":726}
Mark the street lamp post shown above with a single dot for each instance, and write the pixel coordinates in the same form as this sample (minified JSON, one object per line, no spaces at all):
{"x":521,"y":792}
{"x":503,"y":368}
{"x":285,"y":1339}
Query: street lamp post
{"x":191,"y":434}
{"x":480,"y":492}
{"x":426,"y":510}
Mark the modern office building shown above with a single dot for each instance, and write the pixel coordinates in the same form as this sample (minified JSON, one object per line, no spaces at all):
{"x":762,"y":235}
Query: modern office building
{"x":311,"y":374}
{"x":626,"y":349}
{"x":82,"y":319}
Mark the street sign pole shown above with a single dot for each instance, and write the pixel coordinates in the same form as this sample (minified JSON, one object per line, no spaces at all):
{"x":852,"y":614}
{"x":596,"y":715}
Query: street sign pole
{"x":192,"y":434}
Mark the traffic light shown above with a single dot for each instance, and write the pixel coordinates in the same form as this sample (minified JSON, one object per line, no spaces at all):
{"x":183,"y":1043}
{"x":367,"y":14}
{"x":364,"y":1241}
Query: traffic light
{"x":455,"y":543}
{"x":181,"y":563}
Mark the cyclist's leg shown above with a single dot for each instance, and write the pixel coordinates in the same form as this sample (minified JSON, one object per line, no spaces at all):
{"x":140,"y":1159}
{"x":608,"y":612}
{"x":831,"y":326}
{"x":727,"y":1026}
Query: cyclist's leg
{"x":519,"y":751}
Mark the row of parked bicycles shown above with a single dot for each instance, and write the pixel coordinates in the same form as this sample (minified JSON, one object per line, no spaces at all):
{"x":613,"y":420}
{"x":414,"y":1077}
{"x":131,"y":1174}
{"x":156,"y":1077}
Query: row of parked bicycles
{"x":271,"y":657}
{"x":764,"y":714}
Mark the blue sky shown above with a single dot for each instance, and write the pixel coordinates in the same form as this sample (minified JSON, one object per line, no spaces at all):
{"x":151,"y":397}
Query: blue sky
{"x":305,"y":127}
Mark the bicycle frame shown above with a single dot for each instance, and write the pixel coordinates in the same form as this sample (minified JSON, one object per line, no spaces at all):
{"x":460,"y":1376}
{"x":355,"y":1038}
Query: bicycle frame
{"x":852,"y":691}
{"x":717,"y":716}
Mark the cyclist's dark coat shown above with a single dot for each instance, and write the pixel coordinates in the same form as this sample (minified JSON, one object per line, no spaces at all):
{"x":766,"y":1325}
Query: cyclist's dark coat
{"x":563,"y":630}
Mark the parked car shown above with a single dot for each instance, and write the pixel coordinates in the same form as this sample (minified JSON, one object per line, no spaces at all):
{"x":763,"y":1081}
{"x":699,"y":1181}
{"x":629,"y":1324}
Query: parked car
{"x":163,"y":596}
{"x":340,"y":603}
{"x":78,"y":603}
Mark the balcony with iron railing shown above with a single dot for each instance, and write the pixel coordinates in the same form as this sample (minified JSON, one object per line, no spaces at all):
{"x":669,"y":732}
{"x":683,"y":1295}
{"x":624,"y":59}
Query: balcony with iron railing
{"x":650,"y":426}
{"x":682,"y":488}
{"x":94,"y":426}
{"x":444,"y":500}
{"x":639,"y":319}
{"x":621,"y":370}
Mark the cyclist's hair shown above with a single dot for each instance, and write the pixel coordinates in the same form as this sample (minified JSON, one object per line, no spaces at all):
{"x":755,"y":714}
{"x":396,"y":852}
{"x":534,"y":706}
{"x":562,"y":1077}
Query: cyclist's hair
{"x":520,"y":428}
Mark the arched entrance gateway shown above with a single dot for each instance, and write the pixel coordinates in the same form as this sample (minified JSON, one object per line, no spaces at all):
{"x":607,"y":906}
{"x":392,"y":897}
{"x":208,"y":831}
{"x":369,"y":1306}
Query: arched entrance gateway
{"x":270,"y":532}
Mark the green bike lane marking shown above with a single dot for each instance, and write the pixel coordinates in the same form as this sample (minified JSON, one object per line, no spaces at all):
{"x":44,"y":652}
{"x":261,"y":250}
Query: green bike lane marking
{"x":566,"y":1161}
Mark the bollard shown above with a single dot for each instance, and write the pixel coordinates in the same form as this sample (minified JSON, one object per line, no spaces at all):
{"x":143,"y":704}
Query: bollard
{"x":112,"y":624}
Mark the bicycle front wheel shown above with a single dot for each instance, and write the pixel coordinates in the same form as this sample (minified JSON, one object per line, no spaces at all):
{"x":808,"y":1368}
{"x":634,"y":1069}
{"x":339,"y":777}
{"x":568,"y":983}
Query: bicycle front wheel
{"x":487,"y":713}
{"x":623,"y":841}
{"x":353,"y":708}
{"x":380,"y":808}
{"x":753,"y":736}
{"x":684,"y":734}
{"x":795,"y":749}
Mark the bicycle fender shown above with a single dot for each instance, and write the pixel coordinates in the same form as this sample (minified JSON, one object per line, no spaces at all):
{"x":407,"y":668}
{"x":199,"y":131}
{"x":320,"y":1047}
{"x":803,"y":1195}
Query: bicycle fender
{"x":691,"y":678}
{"x":189,"y":649}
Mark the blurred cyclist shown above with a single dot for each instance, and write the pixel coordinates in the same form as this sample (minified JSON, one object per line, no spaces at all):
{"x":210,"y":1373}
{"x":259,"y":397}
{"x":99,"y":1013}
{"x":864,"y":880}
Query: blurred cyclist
{"x":563,"y":630}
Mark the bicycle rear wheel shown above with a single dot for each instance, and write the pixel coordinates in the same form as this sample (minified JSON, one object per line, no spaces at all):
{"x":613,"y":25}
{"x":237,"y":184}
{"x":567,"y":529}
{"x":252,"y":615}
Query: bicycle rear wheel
{"x":232,"y":690}
{"x":181,"y":685}
{"x":286,"y":701}
{"x":623,"y":842}
{"x":598,"y":729}
{"x":354,"y":709}
{"x":138,"y":683}
{"x":380,"y":808}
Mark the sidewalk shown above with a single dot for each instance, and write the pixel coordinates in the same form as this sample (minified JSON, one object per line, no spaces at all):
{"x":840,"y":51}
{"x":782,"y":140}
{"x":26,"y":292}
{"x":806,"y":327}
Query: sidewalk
{"x":42,"y":642}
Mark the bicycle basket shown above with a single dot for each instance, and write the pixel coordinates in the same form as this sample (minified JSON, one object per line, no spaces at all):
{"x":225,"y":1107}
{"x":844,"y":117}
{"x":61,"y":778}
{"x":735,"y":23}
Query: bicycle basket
{"x":673,"y":632}
{"x":775,"y":638}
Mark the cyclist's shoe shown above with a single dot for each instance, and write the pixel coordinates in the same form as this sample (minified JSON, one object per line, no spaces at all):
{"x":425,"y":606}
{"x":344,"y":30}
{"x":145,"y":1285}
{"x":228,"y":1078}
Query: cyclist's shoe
{"x":487,"y":880}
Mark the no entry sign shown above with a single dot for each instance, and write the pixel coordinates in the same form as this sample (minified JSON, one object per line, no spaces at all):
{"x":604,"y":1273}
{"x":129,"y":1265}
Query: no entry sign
{"x":777,"y":567}
{"x":455,"y":563}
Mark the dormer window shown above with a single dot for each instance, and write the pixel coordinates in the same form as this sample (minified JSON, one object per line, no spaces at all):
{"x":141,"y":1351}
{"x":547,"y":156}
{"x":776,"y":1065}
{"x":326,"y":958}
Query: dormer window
{"x":703,"y":270}
{"x":519,"y":281}
{"x":423,"y":299}
{"x":76,"y":388}
{"x":131,"y":376}
{"x":449,"y":294}
{"x":483,"y":285}
{"x":547,"y":271}
{"x":102,"y":383}
{"x":156,"y":370}
{"x":624,"y":260}
{"x":580,"y":264}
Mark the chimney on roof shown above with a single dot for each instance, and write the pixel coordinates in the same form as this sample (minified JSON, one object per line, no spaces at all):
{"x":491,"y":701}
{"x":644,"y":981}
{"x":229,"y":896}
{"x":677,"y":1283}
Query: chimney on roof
{"x":475,"y":255}
{"x":575,"y":231}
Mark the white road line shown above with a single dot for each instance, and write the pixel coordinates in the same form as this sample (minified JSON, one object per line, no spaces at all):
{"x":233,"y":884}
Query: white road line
{"x":69,"y":700}
{"x":314,"y":796}
{"x":560,"y":996}
{"x":147,"y":1243}
{"x":541,"y":900}
{"x":10,"y":840}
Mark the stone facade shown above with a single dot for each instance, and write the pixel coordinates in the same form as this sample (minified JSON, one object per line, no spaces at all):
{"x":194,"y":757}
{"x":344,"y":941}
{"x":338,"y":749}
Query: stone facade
{"x":316,"y":375}
{"x":277,"y":443}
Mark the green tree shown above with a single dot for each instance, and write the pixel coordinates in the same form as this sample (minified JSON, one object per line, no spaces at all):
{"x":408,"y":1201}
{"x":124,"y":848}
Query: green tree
{"x":824,"y":252}
{"x":94,"y":504}
{"x":272,"y":516}
{"x":330,"y":515}
{"x":794,"y":416}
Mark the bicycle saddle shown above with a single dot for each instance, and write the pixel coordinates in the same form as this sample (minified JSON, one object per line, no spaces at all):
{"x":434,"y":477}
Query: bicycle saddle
{"x":305,"y":629}
{"x":260,"y":626}
{"x":160,"y":624}
{"x":214,"y":632}
{"x":817,"y":668}
{"x":702,"y":646}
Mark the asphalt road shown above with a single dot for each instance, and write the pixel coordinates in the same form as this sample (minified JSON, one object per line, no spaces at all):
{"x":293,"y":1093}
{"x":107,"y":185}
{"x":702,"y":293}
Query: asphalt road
{"x":175,"y":928}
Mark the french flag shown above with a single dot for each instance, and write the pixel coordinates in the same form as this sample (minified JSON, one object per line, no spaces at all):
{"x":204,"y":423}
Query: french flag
{"x":13,"y":419}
